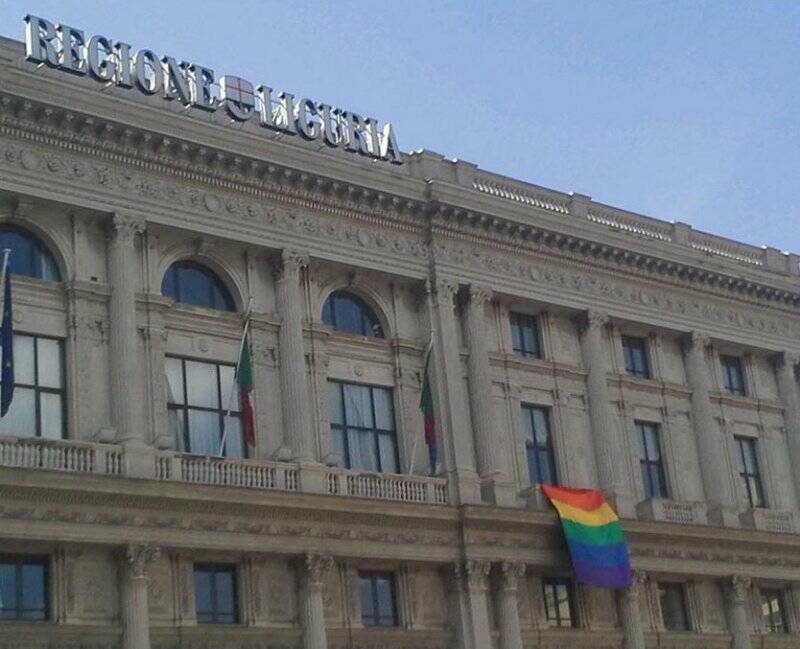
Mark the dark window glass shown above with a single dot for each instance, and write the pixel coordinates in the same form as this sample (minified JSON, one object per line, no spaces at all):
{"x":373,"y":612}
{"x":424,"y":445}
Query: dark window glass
{"x":733,"y":375}
{"x":672,"y":598}
{"x":558,"y":604}
{"x":215,"y":594}
{"x":525,"y":335}
{"x":23,"y":587}
{"x":377,"y":595}
{"x":655,"y":483}
{"x":747,"y":465}
{"x":539,"y":445}
{"x":349,"y":314}
{"x":190,"y":283}
{"x":29,"y":257}
{"x":362,"y":422}
{"x":38,"y":408}
{"x":636,"y":360}
{"x":198,"y":398}
{"x":772,"y":611}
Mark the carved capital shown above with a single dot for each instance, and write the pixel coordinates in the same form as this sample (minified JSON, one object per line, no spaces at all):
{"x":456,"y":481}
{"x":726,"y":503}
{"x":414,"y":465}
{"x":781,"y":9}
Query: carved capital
{"x":477,"y":573}
{"x":137,"y":557}
{"x":124,"y":228}
{"x":592,"y":320}
{"x":479,"y":295}
{"x":696,"y":340}
{"x":510,"y":574}
{"x":787,"y":360}
{"x":445,"y":288}
{"x":739,"y":588}
{"x":289,"y":264}
{"x":316,"y":566}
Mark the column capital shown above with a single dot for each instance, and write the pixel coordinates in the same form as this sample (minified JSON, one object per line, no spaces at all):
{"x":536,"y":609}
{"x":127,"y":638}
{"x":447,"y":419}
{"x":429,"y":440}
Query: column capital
{"x":124,"y":227}
{"x":739,"y":587}
{"x":289,"y":262}
{"x":479,"y":295}
{"x":511,"y":573}
{"x":137,"y":557}
{"x":696,"y":340}
{"x":592,"y":320}
{"x":317,"y":565}
{"x":477,"y":573}
{"x":787,"y":359}
{"x":445,"y":287}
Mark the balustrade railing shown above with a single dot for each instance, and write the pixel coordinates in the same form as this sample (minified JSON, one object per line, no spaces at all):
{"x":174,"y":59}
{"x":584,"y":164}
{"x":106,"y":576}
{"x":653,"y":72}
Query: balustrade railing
{"x":387,"y":486}
{"x":60,"y":455}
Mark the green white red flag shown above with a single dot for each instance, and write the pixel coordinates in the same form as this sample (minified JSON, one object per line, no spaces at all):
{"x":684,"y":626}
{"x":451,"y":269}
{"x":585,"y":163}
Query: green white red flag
{"x":244,"y":379}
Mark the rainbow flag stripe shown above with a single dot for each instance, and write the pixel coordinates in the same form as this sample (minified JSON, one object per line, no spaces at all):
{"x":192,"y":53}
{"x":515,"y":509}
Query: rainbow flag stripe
{"x":594,"y":536}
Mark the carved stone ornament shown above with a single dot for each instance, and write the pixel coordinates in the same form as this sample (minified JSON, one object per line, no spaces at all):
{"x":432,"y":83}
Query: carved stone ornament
{"x":138,"y":556}
{"x":592,"y":320}
{"x":697,"y":340}
{"x":788,"y":359}
{"x":510,"y":574}
{"x":316,"y":566}
{"x":289,"y":263}
{"x":124,"y":228}
{"x":739,"y":588}
{"x":479,"y":295}
{"x":477,"y":573}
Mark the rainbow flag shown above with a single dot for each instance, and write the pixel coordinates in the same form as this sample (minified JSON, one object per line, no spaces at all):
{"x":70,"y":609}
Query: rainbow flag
{"x":594,"y":535}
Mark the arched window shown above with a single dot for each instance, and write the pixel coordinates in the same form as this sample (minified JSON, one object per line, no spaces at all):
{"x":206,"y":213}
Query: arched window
{"x":190,"y":283}
{"x":29,"y":256}
{"x":349,"y":314}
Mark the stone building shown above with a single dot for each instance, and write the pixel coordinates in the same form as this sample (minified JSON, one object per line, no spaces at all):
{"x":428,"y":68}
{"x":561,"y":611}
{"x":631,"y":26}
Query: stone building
{"x":573,"y":342}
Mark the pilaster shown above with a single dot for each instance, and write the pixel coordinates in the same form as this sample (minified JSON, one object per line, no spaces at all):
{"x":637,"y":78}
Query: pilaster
{"x":508,"y":605}
{"x":135,"y":611}
{"x":477,"y":585}
{"x":314,"y":568}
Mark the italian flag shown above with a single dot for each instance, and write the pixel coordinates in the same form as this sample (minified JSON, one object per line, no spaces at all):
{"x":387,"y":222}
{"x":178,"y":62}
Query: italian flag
{"x":426,"y":405}
{"x":244,"y":379}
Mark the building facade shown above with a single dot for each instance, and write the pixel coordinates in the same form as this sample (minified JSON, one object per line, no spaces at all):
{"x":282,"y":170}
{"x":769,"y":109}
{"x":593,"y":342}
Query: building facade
{"x":573,"y":343}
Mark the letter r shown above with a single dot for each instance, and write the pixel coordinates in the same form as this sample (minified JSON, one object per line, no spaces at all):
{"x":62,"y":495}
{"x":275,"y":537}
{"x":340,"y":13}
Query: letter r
{"x":40,"y":35}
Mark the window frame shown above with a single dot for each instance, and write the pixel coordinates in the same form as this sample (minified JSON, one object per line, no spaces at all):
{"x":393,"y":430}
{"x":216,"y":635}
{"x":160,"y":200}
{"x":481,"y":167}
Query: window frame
{"x":19,"y":560}
{"x":646,"y":463}
{"x":39,"y":390}
{"x":214,"y":283}
{"x":371,"y":324}
{"x":631,"y":344}
{"x":215,"y":568}
{"x":730,"y":363}
{"x":750,"y":478}
{"x":235,"y":411}
{"x":538,"y":451}
{"x":769,"y":595}
{"x":520,"y":320}
{"x":556,"y":621}
{"x":376,"y":432}
{"x":40,"y":251}
{"x":372,"y":576}
{"x":679,"y":587}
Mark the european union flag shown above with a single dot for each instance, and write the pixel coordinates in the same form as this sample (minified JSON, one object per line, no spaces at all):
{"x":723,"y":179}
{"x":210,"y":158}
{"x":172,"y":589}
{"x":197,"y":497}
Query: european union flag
{"x":7,"y":345}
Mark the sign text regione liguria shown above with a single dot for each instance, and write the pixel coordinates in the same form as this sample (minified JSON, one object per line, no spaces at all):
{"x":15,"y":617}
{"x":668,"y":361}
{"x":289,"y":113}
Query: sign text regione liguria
{"x":113,"y":62}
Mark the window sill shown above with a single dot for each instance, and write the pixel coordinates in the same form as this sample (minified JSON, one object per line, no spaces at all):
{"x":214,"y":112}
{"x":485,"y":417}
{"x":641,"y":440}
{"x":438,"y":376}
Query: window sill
{"x":672,"y":511}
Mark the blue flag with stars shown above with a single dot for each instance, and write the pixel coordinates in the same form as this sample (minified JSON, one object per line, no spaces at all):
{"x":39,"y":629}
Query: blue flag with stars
{"x":7,"y":345}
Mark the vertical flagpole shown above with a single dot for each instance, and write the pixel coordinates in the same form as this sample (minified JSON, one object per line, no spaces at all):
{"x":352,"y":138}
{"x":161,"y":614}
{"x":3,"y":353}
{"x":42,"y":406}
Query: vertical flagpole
{"x":6,"y":254}
{"x":235,"y":372}
{"x":425,"y":358}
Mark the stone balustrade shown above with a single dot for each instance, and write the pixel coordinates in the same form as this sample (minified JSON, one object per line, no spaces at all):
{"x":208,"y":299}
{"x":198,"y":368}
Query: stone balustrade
{"x":387,"y":486}
{"x":672,"y":511}
{"x":59,"y":455}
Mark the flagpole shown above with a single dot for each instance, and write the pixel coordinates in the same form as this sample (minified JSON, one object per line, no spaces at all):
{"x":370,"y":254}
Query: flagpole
{"x":6,"y":254}
{"x":428,"y":351}
{"x":235,"y":371}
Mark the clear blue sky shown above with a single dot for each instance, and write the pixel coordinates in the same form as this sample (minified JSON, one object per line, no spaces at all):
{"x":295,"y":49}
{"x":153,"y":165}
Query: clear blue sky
{"x":679,"y":110}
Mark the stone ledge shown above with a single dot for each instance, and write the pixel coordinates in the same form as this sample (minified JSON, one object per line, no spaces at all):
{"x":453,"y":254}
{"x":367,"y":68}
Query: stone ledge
{"x":769,"y":520}
{"x":672,"y":511}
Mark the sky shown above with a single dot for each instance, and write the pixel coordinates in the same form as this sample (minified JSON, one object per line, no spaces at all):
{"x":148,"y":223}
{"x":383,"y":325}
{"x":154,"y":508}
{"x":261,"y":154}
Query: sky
{"x":685,"y":111}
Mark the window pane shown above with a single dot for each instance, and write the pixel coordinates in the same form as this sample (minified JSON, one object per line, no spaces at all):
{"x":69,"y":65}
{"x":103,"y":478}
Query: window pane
{"x":527,"y":424}
{"x":335,"y":413}
{"x":228,"y":384}
{"x":23,"y":360}
{"x":204,"y":432}
{"x":338,"y":441}
{"x":673,"y":608}
{"x":175,"y":419}
{"x":226,"y":596}
{"x":368,"y":613}
{"x":202,"y":591}
{"x":385,"y":600}
{"x":540,"y":426}
{"x":348,"y":316}
{"x":358,"y":406}
{"x":8,"y":586}
{"x":33,"y":586}
{"x":383,"y":408}
{"x":564,"y":612}
{"x":362,"y":450}
{"x":174,"y":367}
{"x":201,"y":380}
{"x":387,"y":453}
{"x":20,"y":420}
{"x":550,"y":601}
{"x":49,"y":359}
{"x":52,"y":415}
{"x":234,"y":441}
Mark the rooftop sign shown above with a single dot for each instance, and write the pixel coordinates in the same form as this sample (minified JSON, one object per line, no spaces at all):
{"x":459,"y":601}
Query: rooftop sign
{"x":114,"y":63}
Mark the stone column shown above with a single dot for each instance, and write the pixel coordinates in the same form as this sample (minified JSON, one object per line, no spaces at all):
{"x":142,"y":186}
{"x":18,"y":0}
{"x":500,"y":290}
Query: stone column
{"x":313,"y":609}
{"x":787,"y":387}
{"x":135,"y":612}
{"x":711,"y":446}
{"x":488,"y":447}
{"x":738,"y":591}
{"x":630,"y":612}
{"x":477,"y":582}
{"x":295,"y":391}
{"x":609,"y":444}
{"x":450,"y":399}
{"x":123,"y":269}
{"x":508,"y":607}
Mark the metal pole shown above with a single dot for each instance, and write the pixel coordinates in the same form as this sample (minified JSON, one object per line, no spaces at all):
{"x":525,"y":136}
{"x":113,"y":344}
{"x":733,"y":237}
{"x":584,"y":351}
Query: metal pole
{"x":235,"y":372}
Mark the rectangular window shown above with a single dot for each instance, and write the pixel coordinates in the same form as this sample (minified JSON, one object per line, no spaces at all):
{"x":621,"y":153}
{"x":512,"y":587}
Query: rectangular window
{"x":539,"y":445}
{"x":215,"y":594}
{"x":747,"y":465}
{"x":636,"y":359}
{"x":772,"y":611}
{"x":733,"y":375}
{"x":653,"y":478}
{"x":525,"y":335}
{"x":558,"y":603}
{"x":672,"y":598}
{"x":23,"y":587}
{"x":198,"y":397}
{"x":378,"y":600}
{"x":362,"y":423}
{"x":39,"y":405}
